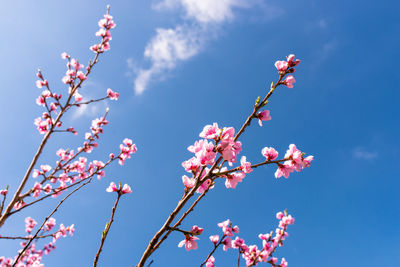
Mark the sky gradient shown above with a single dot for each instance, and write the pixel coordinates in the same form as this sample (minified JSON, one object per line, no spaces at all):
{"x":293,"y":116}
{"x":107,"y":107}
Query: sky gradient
{"x":343,"y":110}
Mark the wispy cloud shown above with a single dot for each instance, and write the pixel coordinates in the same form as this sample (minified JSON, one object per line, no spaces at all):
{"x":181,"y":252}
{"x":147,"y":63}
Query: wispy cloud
{"x":200,"y":21}
{"x":362,"y":153}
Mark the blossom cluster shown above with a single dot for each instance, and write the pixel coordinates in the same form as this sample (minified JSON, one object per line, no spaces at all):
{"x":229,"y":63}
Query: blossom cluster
{"x":251,"y":253}
{"x":32,"y":257}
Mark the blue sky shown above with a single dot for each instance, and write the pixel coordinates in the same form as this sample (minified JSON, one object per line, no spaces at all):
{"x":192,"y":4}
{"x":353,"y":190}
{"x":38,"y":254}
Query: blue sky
{"x":343,"y":110}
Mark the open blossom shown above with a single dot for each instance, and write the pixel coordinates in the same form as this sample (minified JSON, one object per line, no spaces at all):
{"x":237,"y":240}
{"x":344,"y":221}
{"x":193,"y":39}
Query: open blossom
{"x":227,"y":228}
{"x":210,"y":262}
{"x":228,"y":147}
{"x":284,"y":263}
{"x":126,"y":189}
{"x":127,"y":150}
{"x":289,"y":81}
{"x":189,"y":242}
{"x":263,"y":116}
{"x":269,"y":153}
{"x":210,"y":131}
{"x":233,"y":178}
{"x":283,"y":170}
{"x":281,"y":65}
{"x":112,"y":95}
{"x":29,"y":224}
{"x":4,"y":192}
{"x":245,"y":165}
{"x":227,"y":242}
{"x":37,"y":188}
{"x":112,"y":187}
{"x":214,"y":239}
{"x":50,"y":224}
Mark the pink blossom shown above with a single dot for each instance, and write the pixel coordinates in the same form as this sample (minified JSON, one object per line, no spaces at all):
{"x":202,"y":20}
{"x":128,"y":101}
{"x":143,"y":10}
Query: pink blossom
{"x":245,"y":165}
{"x":210,"y":262}
{"x":269,"y":153}
{"x":29,"y":224}
{"x":81,"y":75}
{"x":4,"y":192}
{"x":284,"y":263}
{"x":188,"y":182}
{"x":37,"y":188}
{"x":47,"y":188}
{"x":112,"y":95}
{"x":40,"y":101}
{"x":237,"y":242}
{"x":196,"y":230}
{"x":45,"y":168}
{"x":210,"y":131}
{"x":233,"y":178}
{"x":126,"y":189}
{"x":283,"y":170}
{"x":40,"y":84}
{"x":214,"y":239}
{"x":71,"y":229}
{"x":50,"y":224}
{"x":263,"y":116}
{"x":289,"y":81}
{"x":279,"y":215}
{"x":112,"y":187}
{"x":78,"y":96}
{"x":291,"y":61}
{"x":307,"y":161}
{"x":227,"y":242}
{"x":189,"y":242}
{"x":281,"y":65}
{"x":64,"y":55}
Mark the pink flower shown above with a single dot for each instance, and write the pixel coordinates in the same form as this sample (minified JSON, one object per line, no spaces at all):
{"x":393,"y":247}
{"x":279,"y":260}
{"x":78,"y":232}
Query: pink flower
{"x":214,"y":239}
{"x":227,"y":242}
{"x":126,"y":189}
{"x":189,"y":242}
{"x":281,"y":65}
{"x":289,"y":81}
{"x":263,"y":116}
{"x":291,"y":61}
{"x":47,"y":188}
{"x":210,"y":262}
{"x":112,"y":95}
{"x":284,"y":263}
{"x":29,"y":224}
{"x":245,"y":165}
{"x":269,"y":153}
{"x":237,"y":242}
{"x":188,"y":182}
{"x":81,"y":75}
{"x":4,"y":192}
{"x":279,"y":215}
{"x":233,"y":178}
{"x":283,"y":170}
{"x":196,"y":230}
{"x":71,"y":229}
{"x":37,"y":188}
{"x":64,"y":55}
{"x":210,"y":131}
{"x":50,"y":224}
{"x":112,"y":187}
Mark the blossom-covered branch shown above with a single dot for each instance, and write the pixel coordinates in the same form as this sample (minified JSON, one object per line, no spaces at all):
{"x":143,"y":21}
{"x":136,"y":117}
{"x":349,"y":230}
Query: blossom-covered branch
{"x":210,"y":156}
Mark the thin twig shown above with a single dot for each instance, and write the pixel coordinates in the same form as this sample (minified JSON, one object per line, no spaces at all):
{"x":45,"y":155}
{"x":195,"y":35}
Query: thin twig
{"x":106,"y":230}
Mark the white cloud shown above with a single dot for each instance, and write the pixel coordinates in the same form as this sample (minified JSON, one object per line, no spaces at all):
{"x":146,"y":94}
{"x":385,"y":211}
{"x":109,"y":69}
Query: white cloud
{"x":362,"y":153}
{"x":165,"y":50}
{"x":171,"y":46}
